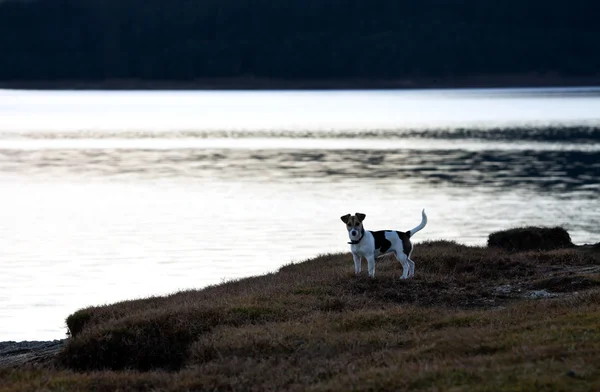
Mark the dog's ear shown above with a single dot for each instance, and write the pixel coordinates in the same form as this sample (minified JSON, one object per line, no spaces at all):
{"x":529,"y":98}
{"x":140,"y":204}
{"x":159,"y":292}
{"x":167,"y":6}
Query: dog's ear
{"x":345,"y":218}
{"x":361,"y":217}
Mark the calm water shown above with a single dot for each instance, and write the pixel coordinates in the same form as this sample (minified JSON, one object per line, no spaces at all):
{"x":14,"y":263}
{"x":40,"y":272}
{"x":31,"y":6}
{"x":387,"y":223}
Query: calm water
{"x":107,"y":196}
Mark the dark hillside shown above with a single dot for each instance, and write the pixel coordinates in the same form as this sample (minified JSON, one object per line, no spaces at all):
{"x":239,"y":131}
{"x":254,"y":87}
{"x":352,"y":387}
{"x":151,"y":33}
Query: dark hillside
{"x":298,"y":40}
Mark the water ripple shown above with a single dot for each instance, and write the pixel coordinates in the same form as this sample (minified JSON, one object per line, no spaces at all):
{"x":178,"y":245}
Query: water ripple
{"x":539,"y":170}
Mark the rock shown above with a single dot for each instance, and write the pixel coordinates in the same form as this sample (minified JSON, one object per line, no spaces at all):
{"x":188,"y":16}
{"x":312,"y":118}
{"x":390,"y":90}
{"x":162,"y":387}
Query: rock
{"x":504,"y":290}
{"x":537,"y":294}
{"x":29,"y":352}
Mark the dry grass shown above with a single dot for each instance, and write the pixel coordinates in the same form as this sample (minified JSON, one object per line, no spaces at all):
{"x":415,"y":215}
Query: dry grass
{"x":461,"y":324}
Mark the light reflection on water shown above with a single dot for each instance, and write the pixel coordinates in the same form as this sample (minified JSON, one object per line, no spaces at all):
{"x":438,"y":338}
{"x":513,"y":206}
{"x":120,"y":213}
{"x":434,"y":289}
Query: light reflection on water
{"x":68,"y":111}
{"x":94,"y":217}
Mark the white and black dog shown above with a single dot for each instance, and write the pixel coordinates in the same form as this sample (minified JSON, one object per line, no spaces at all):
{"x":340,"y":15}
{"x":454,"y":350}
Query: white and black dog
{"x":373,"y":244}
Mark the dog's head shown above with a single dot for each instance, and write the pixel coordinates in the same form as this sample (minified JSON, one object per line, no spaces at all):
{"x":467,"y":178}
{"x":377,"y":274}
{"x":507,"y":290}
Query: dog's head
{"x":354,"y":225}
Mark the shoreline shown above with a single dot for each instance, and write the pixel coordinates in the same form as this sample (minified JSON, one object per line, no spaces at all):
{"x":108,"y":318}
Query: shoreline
{"x":18,"y":354}
{"x":29,"y":352}
{"x":517,"y":303}
{"x":476,"y":81}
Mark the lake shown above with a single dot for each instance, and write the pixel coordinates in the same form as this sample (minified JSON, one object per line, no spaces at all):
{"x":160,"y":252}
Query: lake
{"x":110,"y":196}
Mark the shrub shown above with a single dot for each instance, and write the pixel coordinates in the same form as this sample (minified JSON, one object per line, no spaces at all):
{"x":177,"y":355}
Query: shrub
{"x":531,"y":238}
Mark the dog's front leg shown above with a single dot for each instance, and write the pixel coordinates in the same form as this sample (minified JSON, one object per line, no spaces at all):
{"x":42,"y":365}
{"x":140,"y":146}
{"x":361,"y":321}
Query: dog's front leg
{"x":356,"y":263}
{"x":371,"y":261}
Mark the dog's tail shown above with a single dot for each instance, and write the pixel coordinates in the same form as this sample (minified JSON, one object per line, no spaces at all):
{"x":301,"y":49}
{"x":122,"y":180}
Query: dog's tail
{"x":421,"y":225}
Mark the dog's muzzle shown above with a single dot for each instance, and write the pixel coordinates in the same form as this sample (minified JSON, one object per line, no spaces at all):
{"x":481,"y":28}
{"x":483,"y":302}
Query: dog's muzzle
{"x":354,"y":233}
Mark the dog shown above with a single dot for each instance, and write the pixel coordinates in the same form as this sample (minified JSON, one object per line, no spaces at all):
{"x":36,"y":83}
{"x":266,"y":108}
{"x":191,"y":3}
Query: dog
{"x":374,"y":244}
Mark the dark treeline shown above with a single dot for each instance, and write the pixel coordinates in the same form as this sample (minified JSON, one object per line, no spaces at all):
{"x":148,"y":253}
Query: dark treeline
{"x":179,"y":40}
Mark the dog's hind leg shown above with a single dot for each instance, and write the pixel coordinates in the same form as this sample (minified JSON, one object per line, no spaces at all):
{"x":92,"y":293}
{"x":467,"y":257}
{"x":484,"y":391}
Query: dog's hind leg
{"x":411,"y":263}
{"x":404,"y":260}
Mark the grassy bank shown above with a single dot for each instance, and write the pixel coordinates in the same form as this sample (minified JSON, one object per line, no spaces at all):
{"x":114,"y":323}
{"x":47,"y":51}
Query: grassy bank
{"x":473,"y":318}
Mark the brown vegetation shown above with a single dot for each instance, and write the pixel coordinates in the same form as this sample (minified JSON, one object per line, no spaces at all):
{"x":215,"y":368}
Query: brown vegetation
{"x":465,"y":322}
